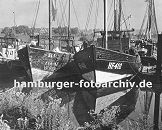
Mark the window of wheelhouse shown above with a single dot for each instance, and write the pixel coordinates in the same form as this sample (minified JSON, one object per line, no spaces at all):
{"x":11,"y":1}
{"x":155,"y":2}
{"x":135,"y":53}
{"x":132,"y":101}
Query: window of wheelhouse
{"x":66,"y":44}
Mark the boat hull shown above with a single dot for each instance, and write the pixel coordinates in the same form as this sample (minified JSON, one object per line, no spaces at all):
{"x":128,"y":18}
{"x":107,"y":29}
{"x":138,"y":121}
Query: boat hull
{"x":87,"y":66}
{"x":79,"y":101}
{"x":94,"y":62}
{"x":40,"y":63}
{"x":11,"y":70}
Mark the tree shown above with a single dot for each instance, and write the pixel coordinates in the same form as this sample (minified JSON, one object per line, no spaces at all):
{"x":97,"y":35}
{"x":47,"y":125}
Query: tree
{"x":8,"y":32}
{"x":74,"y":31}
{"x":11,"y":31}
{"x":23,"y":29}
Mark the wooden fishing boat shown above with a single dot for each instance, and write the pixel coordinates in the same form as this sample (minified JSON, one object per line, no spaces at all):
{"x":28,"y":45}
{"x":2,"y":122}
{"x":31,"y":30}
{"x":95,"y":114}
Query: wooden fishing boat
{"x":39,"y":63}
{"x":10,"y":66}
{"x":100,"y":65}
{"x":104,"y":65}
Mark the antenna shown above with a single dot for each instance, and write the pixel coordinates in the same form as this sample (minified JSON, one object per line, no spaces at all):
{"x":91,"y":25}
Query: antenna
{"x":14,"y":19}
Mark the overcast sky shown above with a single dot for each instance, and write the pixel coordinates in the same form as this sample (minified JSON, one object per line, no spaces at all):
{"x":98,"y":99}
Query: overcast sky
{"x":25,"y":12}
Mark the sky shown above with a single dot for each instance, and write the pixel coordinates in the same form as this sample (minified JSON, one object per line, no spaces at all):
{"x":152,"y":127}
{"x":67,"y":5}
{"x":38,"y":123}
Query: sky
{"x":24,"y":11}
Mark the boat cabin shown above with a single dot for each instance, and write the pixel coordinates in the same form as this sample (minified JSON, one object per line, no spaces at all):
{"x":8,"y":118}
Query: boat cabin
{"x":117,"y":41}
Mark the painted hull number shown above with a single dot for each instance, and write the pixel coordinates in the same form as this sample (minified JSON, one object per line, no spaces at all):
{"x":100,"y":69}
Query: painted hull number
{"x":113,"y":65}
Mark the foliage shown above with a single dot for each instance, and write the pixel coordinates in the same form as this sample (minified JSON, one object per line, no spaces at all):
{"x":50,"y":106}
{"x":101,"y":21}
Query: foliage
{"x":64,"y":30}
{"x":22,"y":29}
{"x":8,"y":32}
{"x":104,"y":120}
{"x":144,"y":122}
{"x":55,"y":116}
{"x":11,"y":31}
{"x":74,"y":30}
{"x":60,"y":30}
{"x":86,"y":37}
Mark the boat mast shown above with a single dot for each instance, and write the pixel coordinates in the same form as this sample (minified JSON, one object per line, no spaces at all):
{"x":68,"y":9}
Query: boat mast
{"x":119,"y":18}
{"x":69,"y":23}
{"x":49,"y":24}
{"x":119,"y":22}
{"x":105,"y":45}
{"x":115,"y":15}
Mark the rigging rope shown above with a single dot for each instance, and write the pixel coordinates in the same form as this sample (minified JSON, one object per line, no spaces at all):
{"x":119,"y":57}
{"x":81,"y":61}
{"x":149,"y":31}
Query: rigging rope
{"x":109,"y":13}
{"x":150,"y":28}
{"x":96,"y":15}
{"x":146,"y":30}
{"x":63,"y":12}
{"x":34,"y":14}
{"x":89,"y":14}
{"x":125,"y":23}
{"x":37,"y":10}
{"x":155,"y":17}
{"x":75,"y":14}
{"x":143,"y":22}
{"x":111,"y":23}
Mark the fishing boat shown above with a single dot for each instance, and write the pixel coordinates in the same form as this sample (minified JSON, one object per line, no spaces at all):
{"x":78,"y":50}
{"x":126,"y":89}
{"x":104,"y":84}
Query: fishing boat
{"x":104,"y":64}
{"x":79,"y":101}
{"x":10,"y":66}
{"x":149,"y":35}
{"x":100,"y":65}
{"x":40,"y":62}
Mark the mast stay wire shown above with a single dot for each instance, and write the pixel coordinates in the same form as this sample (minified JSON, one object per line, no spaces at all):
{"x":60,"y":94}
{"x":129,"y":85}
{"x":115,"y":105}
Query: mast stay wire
{"x":75,"y":13}
{"x":125,"y":22}
{"x":96,"y":14}
{"x":143,"y":22}
{"x":110,"y":26}
{"x":124,"y":12}
{"x":89,"y":14}
{"x":155,"y":18}
{"x":109,"y":14}
{"x":125,"y":19}
{"x":63,"y":13}
{"x":36,"y":15}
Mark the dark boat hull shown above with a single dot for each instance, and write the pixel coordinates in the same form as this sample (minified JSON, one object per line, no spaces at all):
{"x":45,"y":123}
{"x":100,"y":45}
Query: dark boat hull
{"x":86,"y":63}
{"x":79,"y":101}
{"x":11,"y":70}
{"x":94,"y":62}
{"x":40,"y":63}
